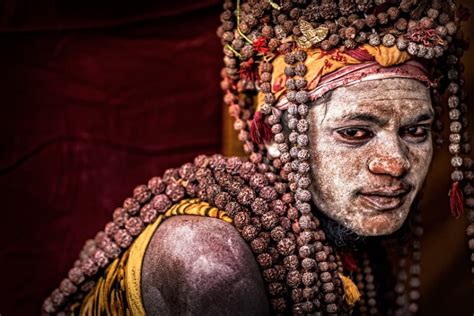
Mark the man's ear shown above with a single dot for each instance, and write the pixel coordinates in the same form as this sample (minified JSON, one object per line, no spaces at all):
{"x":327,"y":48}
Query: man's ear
{"x":272,"y":149}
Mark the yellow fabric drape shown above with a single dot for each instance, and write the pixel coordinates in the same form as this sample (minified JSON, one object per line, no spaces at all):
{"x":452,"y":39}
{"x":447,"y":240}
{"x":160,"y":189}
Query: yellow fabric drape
{"x":118,"y":291}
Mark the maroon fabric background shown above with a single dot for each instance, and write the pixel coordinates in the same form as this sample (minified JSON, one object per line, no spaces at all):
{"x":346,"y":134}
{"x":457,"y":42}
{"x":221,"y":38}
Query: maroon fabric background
{"x":95,"y":99}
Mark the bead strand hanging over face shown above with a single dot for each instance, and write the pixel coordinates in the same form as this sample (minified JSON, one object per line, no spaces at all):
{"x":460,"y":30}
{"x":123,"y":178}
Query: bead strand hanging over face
{"x":456,"y":127}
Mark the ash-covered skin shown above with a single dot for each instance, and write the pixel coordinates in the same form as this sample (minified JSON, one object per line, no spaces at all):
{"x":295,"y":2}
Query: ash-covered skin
{"x":371,"y":148}
{"x":201,"y":266}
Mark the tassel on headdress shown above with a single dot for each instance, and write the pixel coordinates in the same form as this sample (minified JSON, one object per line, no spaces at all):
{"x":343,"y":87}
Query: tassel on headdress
{"x":260,"y":131}
{"x":456,"y":200}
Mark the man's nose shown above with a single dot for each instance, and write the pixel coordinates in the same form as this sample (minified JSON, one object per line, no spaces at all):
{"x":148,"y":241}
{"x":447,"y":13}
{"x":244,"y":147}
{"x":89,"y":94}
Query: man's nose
{"x":395,"y":166}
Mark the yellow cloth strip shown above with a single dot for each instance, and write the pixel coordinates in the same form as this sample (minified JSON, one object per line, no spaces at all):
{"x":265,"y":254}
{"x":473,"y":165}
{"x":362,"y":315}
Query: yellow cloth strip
{"x":118,"y":291}
{"x":133,"y":270}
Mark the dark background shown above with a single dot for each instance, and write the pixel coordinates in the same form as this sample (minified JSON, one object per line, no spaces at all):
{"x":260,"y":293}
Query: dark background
{"x":99,"y":96}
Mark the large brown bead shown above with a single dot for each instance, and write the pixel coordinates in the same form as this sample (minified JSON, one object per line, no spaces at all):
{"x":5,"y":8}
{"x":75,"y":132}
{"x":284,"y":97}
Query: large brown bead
{"x":258,"y":245}
{"x":308,"y":264}
{"x":89,"y":267}
{"x":249,"y":232}
{"x":111,"y":249}
{"x":293,"y":279}
{"x":100,"y":258}
{"x":241,"y":219}
{"x":134,"y":226}
{"x":330,"y":297}
{"x":120,"y":216}
{"x":308,"y":293}
{"x":328,"y":287}
{"x":269,"y":220}
{"x":161,"y":203}
{"x":281,"y":272}
{"x":141,"y":194}
{"x":325,"y":277}
{"x":175,"y":191}
{"x":278,"y":233}
{"x":270,"y":275}
{"x":147,"y":213}
{"x":291,"y":262}
{"x":297,"y":295}
{"x":331,"y":308}
{"x":278,"y":304}
{"x":286,"y":246}
{"x":122,"y":238}
{"x":246,"y":196}
{"x":264,"y":260}
{"x":276,"y":289}
{"x":259,"y":206}
{"x":156,"y":185}
{"x":308,"y":278}
{"x":76,"y":275}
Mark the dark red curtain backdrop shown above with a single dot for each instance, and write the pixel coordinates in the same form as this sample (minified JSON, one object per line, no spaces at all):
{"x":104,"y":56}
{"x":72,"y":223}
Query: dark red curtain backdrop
{"x":96,"y":97}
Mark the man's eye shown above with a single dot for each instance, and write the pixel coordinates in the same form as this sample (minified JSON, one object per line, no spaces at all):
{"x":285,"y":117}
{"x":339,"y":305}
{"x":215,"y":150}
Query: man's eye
{"x":355,"y":134}
{"x":415,"y":132}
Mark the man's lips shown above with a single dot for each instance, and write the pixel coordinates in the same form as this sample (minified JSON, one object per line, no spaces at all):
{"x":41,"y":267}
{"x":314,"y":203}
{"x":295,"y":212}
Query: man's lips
{"x":384,"y":199}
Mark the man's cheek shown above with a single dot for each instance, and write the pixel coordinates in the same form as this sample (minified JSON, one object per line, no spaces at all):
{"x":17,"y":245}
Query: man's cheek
{"x":420,"y":159}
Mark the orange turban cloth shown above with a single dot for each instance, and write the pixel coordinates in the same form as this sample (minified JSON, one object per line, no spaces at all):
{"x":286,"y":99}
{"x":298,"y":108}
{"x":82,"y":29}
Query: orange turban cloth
{"x":327,"y":70}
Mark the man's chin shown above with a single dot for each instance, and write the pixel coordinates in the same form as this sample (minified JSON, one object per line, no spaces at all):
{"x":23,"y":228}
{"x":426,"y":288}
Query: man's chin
{"x":380,"y":224}
{"x":377,"y":224}
{"x":355,"y":234}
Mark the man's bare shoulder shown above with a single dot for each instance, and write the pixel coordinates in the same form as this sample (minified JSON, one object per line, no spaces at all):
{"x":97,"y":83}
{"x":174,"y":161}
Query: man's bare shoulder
{"x":200,"y":265}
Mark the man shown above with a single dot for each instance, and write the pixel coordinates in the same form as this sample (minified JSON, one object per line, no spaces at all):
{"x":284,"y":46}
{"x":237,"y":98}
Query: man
{"x":340,"y":143}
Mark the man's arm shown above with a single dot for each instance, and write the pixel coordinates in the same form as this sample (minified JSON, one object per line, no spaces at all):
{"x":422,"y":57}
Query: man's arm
{"x":201,"y":266}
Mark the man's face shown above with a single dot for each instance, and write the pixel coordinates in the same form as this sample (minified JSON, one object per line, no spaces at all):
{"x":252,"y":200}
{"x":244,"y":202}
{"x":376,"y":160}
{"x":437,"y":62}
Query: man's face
{"x":371,"y":148}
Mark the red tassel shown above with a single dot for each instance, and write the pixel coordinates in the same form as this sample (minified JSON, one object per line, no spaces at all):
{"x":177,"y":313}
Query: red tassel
{"x":260,"y":45}
{"x":348,"y":261}
{"x":456,"y":200}
{"x":260,"y":132}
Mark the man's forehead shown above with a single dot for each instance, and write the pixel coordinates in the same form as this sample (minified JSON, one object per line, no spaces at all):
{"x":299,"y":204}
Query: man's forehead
{"x":400,"y":99}
{"x":399,"y":109}
{"x":383,"y":89}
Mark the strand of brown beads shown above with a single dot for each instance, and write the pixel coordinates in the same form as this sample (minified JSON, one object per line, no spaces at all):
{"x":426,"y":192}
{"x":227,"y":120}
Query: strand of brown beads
{"x":360,"y":282}
{"x":370,"y":291}
{"x":468,"y":164}
{"x":235,"y":49}
{"x":400,"y":285}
